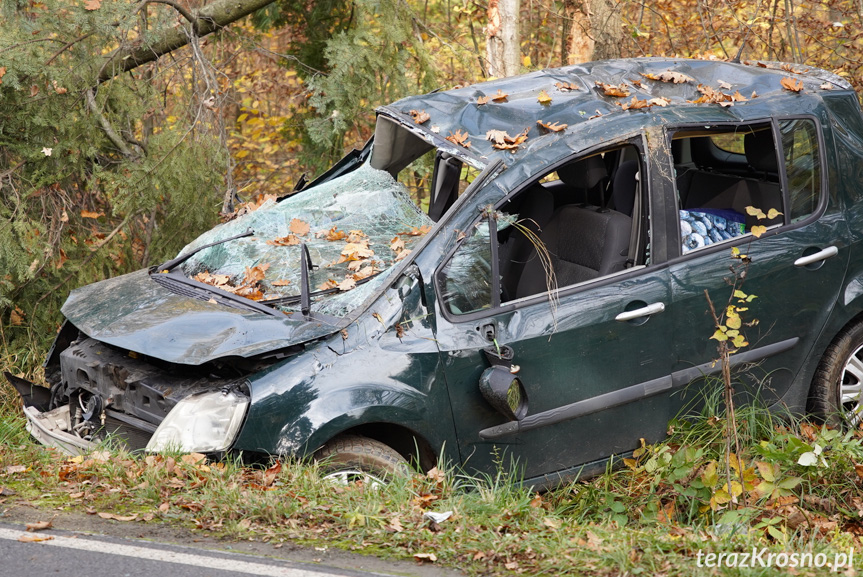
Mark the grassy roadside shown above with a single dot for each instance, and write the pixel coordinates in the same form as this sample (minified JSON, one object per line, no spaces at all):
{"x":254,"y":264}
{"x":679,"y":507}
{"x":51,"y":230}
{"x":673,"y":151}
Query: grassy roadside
{"x":652,"y":517}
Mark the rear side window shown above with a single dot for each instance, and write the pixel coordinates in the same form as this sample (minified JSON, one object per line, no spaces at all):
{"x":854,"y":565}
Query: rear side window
{"x":723,"y":170}
{"x":802,"y":167}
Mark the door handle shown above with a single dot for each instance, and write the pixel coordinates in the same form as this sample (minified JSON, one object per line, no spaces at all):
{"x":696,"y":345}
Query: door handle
{"x":818,"y":256}
{"x":651,"y":309}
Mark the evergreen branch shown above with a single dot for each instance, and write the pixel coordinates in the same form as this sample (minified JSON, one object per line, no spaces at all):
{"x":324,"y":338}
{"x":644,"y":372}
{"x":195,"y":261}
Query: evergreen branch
{"x":14,"y":46}
{"x":67,"y":46}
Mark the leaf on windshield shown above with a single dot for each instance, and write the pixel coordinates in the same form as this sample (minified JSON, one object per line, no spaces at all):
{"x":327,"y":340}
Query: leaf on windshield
{"x":420,"y":116}
{"x":280,"y":282}
{"x":553,"y":127}
{"x":397,"y":244}
{"x":417,"y":231}
{"x":347,"y":284}
{"x":460,"y":138}
{"x":329,"y":284}
{"x":212,"y":279}
{"x":618,"y":90}
{"x":333,"y":234}
{"x":299,"y":227}
{"x":290,"y":240}
{"x":356,"y":251}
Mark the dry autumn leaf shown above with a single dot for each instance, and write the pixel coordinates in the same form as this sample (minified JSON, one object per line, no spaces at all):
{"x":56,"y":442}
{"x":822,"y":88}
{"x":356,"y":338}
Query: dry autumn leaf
{"x":26,"y":538}
{"x":792,"y":84}
{"x":290,"y":240}
{"x":543,"y":97}
{"x":635,"y":104}
{"x":724,"y":85}
{"x":299,"y":227}
{"x":347,"y":284}
{"x":566,"y":86}
{"x":92,"y":4}
{"x":503,"y":141}
{"x":482,"y":100}
{"x":669,"y":76}
{"x":334,"y":234}
{"x":280,"y":282}
{"x":617,"y":90}
{"x":39,"y":525}
{"x":329,"y":284}
{"x":397,"y":244}
{"x":553,"y":127}
{"x":91,"y":214}
{"x":419,"y":116}
{"x":417,"y":231}
{"x":460,"y":138}
{"x":501,"y":96}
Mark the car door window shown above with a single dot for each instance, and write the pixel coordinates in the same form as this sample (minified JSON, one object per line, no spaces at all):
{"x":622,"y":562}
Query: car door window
{"x":582,"y":221}
{"x":725,"y":172}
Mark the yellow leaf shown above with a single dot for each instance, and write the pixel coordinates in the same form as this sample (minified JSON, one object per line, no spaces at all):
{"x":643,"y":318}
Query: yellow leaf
{"x":733,"y":321}
{"x":757,"y":212}
{"x":526,"y":62}
{"x":758,"y":230}
{"x":543,"y":97}
{"x":719,"y":336}
{"x":773,"y":213}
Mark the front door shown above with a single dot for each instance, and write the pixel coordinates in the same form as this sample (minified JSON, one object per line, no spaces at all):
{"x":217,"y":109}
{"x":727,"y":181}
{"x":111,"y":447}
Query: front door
{"x":594,"y":356}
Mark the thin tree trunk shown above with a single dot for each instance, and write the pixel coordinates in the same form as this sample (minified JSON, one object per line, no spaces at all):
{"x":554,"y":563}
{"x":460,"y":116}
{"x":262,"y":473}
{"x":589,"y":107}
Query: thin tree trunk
{"x":502,"y":38}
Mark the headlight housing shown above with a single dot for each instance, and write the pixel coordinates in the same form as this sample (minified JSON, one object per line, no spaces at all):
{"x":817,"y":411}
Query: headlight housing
{"x":201,"y":423}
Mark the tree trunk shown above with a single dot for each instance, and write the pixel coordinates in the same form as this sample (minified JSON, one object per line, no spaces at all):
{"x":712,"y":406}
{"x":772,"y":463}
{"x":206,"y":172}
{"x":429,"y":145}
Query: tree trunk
{"x":592,"y":30}
{"x":503,"y":50}
{"x":607,"y":29}
{"x":208,"y":19}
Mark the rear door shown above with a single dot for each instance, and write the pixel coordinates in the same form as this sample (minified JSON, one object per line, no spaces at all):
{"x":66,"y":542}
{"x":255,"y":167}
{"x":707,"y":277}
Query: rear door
{"x":791,"y":274}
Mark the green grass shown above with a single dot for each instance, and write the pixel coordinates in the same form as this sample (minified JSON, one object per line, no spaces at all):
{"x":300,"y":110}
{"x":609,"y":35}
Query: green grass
{"x":650,"y":517}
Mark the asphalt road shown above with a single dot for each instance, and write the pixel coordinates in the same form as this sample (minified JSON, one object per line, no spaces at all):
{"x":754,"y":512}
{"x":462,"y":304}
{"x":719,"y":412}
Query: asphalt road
{"x":71,"y":554}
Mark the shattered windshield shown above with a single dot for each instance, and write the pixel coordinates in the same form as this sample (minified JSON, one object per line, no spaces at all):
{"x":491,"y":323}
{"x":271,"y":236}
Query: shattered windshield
{"x":356,"y":228}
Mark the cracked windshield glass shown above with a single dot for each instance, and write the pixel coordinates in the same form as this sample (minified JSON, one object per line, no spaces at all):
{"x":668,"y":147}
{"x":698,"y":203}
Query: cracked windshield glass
{"x":356,"y":228}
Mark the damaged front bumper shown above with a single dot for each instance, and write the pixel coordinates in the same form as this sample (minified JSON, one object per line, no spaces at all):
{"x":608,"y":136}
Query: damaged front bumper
{"x":99,"y":393}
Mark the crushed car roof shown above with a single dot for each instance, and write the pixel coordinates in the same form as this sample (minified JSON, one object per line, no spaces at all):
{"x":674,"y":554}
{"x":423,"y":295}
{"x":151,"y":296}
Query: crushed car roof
{"x":459,"y":120}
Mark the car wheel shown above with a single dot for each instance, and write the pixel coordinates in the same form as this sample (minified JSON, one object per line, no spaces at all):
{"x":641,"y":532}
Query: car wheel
{"x":353,"y":458}
{"x":838,"y":382}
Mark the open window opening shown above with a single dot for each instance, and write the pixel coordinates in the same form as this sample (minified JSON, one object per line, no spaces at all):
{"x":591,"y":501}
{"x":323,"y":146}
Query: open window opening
{"x":433,"y":178}
{"x":723,"y":170}
{"x":584,"y":220}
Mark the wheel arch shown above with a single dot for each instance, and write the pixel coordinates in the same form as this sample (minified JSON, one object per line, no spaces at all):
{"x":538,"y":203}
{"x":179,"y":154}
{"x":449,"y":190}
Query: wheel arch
{"x":408,"y":443}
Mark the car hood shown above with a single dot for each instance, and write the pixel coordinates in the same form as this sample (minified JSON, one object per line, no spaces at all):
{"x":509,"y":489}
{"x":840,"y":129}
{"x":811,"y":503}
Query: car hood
{"x":135,"y":313}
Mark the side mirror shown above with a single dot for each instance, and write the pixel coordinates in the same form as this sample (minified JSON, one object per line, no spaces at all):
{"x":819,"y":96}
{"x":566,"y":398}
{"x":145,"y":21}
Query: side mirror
{"x":501,"y":388}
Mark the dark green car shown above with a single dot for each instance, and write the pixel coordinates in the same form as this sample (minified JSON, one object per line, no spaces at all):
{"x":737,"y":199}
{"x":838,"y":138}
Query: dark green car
{"x":550,"y":313}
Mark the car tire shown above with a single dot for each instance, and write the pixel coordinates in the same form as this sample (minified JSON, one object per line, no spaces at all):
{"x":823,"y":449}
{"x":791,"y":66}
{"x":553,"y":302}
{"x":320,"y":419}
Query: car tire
{"x":835,"y":396}
{"x":354,"y":458}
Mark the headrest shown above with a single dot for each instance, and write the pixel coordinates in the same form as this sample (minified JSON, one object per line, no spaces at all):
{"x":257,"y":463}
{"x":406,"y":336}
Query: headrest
{"x":584,"y":174}
{"x":761,"y":151}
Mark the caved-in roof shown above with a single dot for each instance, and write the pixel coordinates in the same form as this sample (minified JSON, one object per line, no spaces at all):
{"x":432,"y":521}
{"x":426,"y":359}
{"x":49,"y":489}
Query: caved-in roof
{"x":575,"y":95}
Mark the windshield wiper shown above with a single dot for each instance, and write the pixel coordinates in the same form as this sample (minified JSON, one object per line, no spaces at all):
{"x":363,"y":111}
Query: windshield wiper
{"x":167,"y":266}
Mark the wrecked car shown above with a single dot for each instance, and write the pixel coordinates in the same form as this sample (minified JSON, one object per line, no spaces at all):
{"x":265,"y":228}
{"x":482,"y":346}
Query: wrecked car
{"x":550,"y":313}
